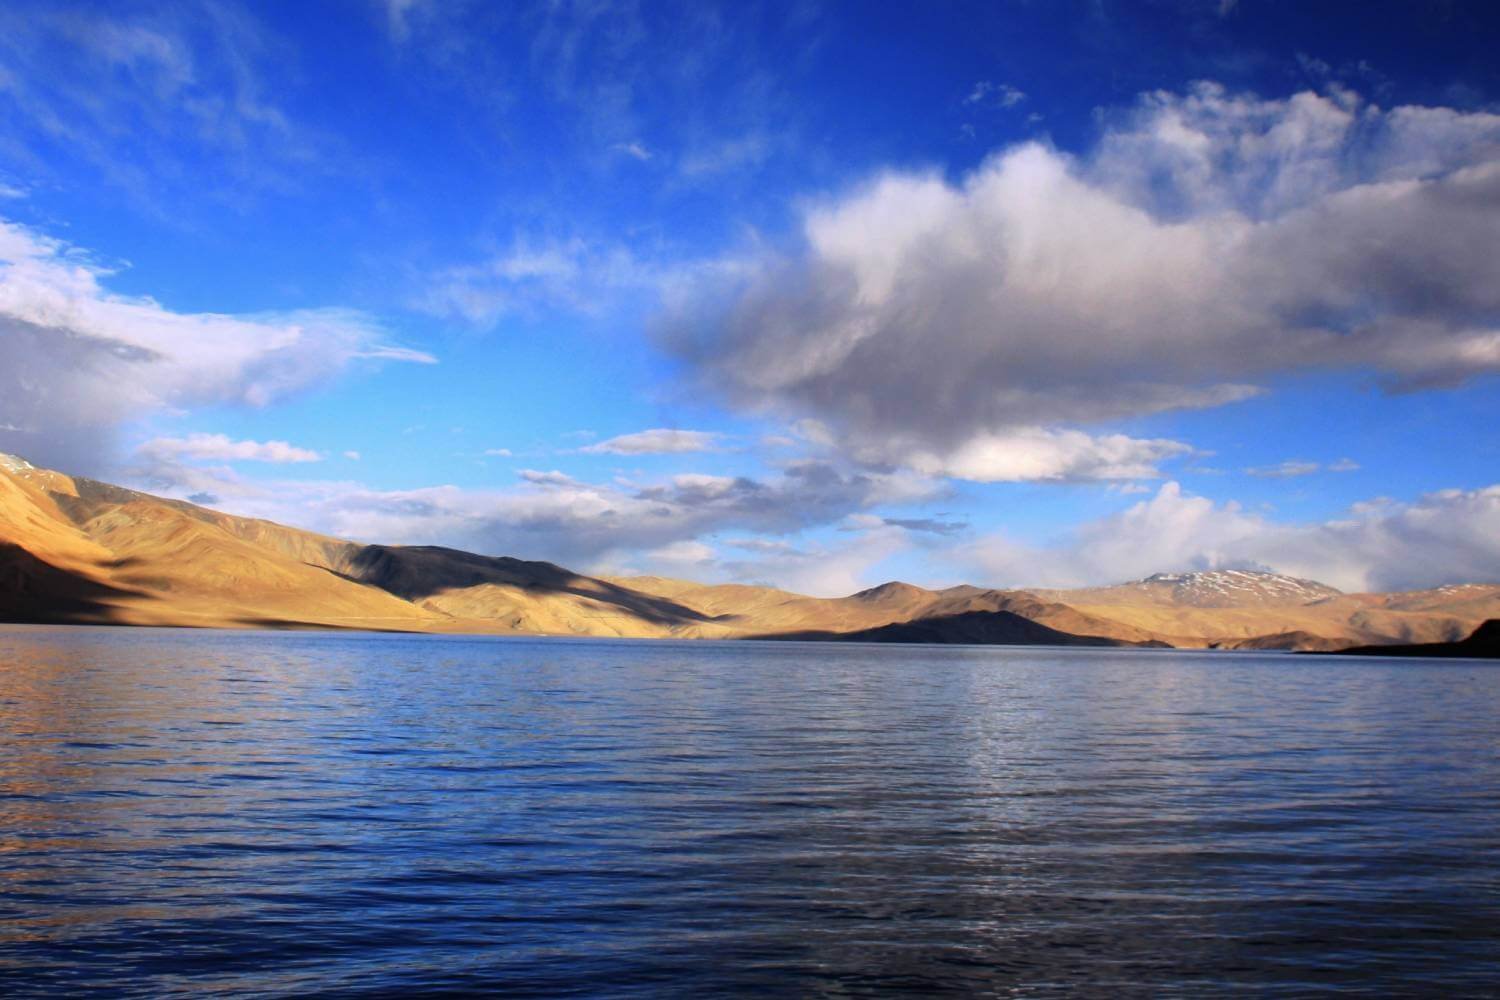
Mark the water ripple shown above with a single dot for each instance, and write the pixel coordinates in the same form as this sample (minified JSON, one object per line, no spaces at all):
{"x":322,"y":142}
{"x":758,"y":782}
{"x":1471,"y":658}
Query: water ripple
{"x":273,"y":815}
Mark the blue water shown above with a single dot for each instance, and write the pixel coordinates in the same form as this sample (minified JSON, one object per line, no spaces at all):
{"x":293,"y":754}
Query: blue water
{"x":278,"y":814}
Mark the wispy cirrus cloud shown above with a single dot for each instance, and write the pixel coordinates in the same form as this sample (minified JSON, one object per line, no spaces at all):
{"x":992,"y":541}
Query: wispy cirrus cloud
{"x":142,"y":98}
{"x":1292,"y":468}
{"x":992,"y":94}
{"x":929,"y":525}
{"x":530,"y":278}
{"x":635,"y":149}
{"x":399,"y":15}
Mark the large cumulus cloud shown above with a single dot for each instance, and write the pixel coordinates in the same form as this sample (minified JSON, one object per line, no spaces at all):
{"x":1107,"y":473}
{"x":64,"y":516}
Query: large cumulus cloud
{"x":1209,"y":241}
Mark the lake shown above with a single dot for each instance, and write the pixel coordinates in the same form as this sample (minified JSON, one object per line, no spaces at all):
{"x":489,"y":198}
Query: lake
{"x":350,"y":814}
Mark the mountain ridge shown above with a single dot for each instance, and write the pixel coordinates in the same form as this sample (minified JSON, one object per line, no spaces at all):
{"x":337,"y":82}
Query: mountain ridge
{"x":78,"y":550}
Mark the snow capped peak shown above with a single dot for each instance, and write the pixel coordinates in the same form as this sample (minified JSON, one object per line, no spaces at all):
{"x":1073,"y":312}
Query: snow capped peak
{"x":14,"y":463}
{"x":1236,"y":587}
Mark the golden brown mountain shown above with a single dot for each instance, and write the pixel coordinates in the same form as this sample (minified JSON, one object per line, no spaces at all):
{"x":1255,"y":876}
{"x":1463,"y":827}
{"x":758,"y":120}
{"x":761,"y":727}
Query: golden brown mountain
{"x":1243,"y":609}
{"x":77,"y":550}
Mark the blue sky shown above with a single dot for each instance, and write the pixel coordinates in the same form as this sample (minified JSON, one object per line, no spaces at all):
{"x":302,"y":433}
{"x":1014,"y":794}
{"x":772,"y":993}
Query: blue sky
{"x":810,"y":294}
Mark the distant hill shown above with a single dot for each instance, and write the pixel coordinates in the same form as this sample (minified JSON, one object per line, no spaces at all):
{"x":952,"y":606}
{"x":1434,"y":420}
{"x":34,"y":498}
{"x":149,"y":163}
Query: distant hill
{"x":1246,"y":609}
{"x":75,"y":550}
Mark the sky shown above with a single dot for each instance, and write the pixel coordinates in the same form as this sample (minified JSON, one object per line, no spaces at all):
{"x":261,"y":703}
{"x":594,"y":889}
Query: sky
{"x":811,"y":295}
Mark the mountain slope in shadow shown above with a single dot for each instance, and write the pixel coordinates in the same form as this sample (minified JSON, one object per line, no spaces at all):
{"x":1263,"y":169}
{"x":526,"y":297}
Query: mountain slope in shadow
{"x":35,"y":591}
{"x":1483,"y":643}
{"x":461,"y":583}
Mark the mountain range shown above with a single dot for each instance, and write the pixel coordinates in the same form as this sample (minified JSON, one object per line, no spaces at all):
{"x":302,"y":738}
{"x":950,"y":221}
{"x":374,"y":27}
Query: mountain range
{"x":75,"y":550}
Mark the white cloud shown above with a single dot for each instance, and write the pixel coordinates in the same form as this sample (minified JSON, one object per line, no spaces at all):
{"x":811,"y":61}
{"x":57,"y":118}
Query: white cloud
{"x":218,"y":447}
{"x":1452,"y":536}
{"x":658,"y":441}
{"x":80,"y":360}
{"x":1209,"y":241}
{"x":1001,"y":95}
{"x":553,"y":478}
{"x":1038,"y":454}
{"x":634,"y":149}
{"x":389,"y":353}
{"x":498,"y":452}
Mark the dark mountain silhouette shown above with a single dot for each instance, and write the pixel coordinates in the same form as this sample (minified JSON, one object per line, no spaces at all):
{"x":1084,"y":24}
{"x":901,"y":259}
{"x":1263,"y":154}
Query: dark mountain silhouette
{"x":974,"y":628}
{"x":1483,"y":643}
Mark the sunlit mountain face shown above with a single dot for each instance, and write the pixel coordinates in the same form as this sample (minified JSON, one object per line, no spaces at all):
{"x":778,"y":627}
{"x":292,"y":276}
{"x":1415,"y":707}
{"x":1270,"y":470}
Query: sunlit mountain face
{"x":803,"y":298}
{"x":80,"y":551}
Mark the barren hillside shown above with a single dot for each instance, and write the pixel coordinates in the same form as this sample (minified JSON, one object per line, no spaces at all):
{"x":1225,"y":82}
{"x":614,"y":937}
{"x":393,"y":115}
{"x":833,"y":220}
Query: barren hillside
{"x":76,"y":550}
